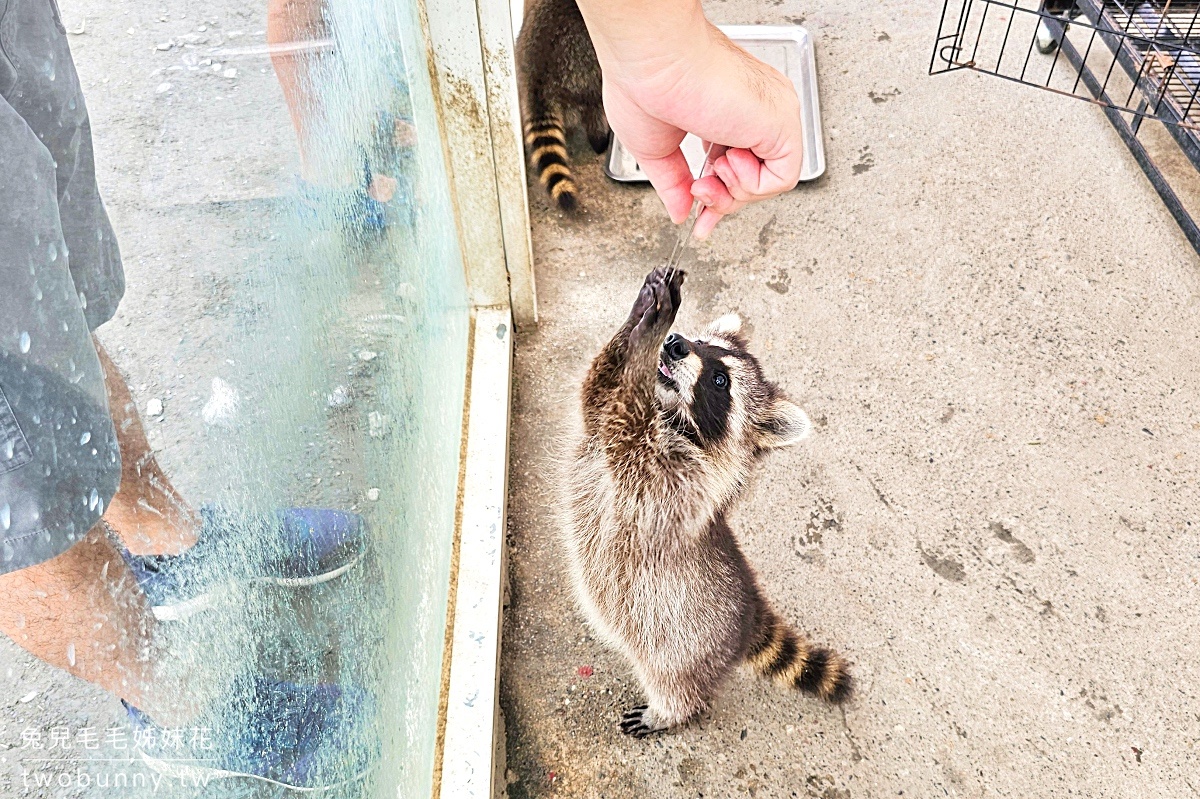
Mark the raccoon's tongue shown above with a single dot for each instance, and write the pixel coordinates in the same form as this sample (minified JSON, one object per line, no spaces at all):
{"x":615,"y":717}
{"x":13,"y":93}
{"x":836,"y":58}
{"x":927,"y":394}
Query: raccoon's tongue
{"x":662,"y":367}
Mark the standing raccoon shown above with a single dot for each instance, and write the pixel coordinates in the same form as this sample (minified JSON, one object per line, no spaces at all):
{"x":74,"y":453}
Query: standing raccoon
{"x":560,"y":83}
{"x":672,"y":429}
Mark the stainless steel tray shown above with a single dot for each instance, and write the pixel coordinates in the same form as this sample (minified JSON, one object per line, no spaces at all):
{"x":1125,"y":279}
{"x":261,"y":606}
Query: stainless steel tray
{"x":789,"y":49}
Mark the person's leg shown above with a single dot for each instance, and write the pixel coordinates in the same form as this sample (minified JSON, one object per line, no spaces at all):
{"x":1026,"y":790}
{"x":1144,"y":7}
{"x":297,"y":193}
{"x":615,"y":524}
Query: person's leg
{"x":147,"y":513}
{"x":301,"y":45}
{"x":296,"y":33}
{"x":82,"y":612}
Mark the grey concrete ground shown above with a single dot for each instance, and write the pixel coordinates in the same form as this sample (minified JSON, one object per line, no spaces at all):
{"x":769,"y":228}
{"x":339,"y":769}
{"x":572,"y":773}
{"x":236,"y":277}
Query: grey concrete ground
{"x":993,"y":321}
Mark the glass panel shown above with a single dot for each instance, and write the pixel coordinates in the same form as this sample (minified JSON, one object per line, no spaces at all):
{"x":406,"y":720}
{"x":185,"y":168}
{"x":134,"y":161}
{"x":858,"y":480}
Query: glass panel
{"x":285,"y":387}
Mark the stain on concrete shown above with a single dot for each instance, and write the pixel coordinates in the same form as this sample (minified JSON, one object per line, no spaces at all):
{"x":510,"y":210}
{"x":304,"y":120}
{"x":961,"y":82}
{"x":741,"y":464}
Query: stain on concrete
{"x":883,"y":97}
{"x":1135,"y":527}
{"x":1101,"y":706}
{"x":766,"y":235}
{"x":1020,"y":550}
{"x":688,"y":768}
{"x":780,"y":282}
{"x":822,"y":786}
{"x":866,"y":160}
{"x":822,"y":518}
{"x":946,"y":567}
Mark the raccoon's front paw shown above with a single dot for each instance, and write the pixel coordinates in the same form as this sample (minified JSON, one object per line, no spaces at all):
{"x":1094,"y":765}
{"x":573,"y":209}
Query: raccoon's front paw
{"x":640,"y":722}
{"x":655,"y":308}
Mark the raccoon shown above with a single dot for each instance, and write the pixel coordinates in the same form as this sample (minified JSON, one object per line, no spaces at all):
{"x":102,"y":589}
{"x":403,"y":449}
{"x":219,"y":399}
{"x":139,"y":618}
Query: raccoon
{"x":672,"y":428}
{"x":560,"y":83}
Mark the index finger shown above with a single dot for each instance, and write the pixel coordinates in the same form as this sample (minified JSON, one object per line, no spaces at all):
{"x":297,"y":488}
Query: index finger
{"x":749,"y":177}
{"x":672,"y":179}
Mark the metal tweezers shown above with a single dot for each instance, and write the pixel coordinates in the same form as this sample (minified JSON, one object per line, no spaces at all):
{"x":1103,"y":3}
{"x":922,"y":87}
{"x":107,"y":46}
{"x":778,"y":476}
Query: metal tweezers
{"x":685,"y":230}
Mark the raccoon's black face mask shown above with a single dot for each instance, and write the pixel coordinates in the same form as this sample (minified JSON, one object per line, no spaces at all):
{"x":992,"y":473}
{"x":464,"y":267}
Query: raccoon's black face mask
{"x":713,"y":392}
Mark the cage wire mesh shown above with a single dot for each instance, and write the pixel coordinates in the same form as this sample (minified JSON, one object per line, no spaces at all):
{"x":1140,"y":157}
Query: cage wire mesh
{"x":1139,"y":57}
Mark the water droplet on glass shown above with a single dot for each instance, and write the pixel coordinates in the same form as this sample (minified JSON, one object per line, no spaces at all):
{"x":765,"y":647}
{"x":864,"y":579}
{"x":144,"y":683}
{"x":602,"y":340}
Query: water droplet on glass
{"x":5,"y":516}
{"x":8,"y":552}
{"x":8,"y":449}
{"x":85,"y":438}
{"x":52,"y":251}
{"x":25,"y":342}
{"x":93,"y":499}
{"x":82,"y":300}
{"x":38,"y":294}
{"x":71,"y":654}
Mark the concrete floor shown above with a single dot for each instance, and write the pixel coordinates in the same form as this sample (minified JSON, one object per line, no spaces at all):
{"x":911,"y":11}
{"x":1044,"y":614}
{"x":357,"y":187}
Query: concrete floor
{"x":994,"y":323}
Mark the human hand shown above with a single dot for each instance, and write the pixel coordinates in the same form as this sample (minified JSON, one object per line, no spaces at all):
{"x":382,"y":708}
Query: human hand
{"x":657,"y":89}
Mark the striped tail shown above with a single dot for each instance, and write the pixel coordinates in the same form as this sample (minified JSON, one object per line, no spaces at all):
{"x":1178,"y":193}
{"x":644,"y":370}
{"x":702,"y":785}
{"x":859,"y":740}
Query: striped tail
{"x":548,"y":154}
{"x":780,"y":653}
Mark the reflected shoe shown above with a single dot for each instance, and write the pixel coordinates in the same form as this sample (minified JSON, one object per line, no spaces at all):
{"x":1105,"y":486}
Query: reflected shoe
{"x":301,"y":737}
{"x":293,"y":547}
{"x":352,"y":209}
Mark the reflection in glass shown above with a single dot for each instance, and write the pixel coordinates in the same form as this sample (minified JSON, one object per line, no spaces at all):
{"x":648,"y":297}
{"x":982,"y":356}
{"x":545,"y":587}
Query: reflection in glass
{"x":269,"y":600}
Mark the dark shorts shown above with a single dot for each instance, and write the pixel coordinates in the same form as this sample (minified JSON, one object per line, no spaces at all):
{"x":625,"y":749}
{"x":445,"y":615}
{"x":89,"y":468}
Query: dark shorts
{"x":60,"y":278}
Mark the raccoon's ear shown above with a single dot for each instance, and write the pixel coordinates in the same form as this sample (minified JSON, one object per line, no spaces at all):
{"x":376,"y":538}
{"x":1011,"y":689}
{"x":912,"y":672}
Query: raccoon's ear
{"x":782,"y":425}
{"x":728,"y":325}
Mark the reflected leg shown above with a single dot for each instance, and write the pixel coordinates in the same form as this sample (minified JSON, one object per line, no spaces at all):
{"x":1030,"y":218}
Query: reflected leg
{"x":293,"y":27}
{"x":147,"y":513}
{"x":300,"y":37}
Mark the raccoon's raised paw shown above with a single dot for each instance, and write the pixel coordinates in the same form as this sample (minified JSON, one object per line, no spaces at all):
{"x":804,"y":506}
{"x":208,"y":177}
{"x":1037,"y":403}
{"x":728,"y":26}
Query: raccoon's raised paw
{"x":656,"y":305}
{"x":640,"y":722}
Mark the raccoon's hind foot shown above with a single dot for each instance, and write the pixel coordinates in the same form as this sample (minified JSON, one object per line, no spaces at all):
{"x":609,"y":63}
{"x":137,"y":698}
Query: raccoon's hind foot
{"x":597,"y":128}
{"x":641,"y":722}
{"x":656,"y":305}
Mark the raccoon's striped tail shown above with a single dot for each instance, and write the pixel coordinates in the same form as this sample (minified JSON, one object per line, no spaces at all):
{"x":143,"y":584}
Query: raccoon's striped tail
{"x":780,"y":653}
{"x":547,"y":143}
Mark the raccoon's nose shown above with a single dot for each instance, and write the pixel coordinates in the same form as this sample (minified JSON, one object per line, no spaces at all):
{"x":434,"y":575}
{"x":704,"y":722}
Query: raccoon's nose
{"x":676,"y":347}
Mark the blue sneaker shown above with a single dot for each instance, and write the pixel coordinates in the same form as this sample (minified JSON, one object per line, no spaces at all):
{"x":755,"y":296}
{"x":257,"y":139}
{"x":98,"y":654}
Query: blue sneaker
{"x":293,"y":547}
{"x":300,"y":737}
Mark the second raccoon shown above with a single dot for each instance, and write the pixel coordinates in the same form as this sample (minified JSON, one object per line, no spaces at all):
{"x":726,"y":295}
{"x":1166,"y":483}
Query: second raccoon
{"x":560,"y":83}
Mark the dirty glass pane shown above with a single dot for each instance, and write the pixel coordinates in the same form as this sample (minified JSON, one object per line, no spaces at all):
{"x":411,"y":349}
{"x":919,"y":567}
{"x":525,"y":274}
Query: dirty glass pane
{"x":274,"y":279}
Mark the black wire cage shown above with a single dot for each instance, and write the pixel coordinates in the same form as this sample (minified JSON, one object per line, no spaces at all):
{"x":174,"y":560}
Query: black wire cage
{"x":1137,"y":60}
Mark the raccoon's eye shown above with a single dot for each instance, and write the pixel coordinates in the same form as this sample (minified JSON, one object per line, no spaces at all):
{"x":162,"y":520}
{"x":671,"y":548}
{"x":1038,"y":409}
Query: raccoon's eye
{"x":720,"y":380}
